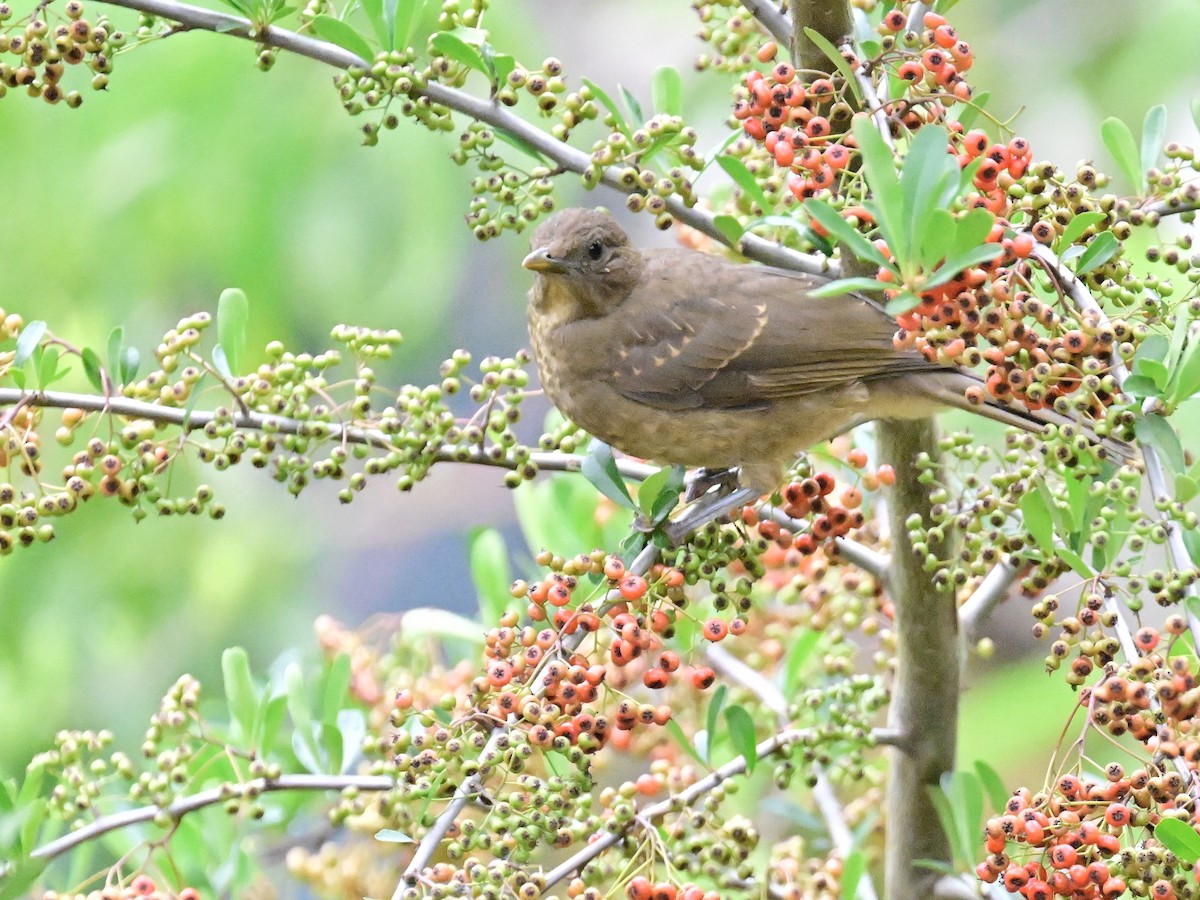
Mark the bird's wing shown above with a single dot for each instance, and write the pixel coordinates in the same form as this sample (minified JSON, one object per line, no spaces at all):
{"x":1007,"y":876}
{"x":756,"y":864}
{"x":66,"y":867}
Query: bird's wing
{"x":742,"y":336}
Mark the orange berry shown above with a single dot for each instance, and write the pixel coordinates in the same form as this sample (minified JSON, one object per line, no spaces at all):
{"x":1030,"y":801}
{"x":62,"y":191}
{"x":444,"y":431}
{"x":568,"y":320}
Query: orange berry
{"x":614,"y":568}
{"x":886,"y":474}
{"x":715,"y":629}
{"x":895,"y":21}
{"x":703,"y":677}
{"x":910,"y":70}
{"x":656,"y":678}
{"x":1117,"y":815}
{"x":632,"y":587}
{"x":767,"y":51}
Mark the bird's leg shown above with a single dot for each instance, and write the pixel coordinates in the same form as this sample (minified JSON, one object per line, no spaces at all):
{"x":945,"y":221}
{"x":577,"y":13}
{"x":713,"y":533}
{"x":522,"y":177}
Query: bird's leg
{"x":701,"y":481}
{"x":711,"y":494}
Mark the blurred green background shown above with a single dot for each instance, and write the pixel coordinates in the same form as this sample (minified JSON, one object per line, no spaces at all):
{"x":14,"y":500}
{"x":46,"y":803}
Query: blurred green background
{"x":195,"y":172}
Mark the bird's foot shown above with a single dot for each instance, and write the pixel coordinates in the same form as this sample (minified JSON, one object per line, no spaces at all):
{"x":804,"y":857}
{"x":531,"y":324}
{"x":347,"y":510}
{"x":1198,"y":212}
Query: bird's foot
{"x":701,"y":481}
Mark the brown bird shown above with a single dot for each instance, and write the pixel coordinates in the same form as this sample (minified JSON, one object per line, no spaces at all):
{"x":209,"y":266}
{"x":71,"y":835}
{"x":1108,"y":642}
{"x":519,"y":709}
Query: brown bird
{"x":682,"y":357}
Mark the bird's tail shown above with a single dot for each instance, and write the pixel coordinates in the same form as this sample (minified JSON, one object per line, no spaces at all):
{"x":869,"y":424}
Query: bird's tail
{"x":951,"y":389}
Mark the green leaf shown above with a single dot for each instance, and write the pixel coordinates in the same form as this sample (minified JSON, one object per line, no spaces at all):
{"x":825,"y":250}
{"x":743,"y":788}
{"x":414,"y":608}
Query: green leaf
{"x":1155,"y":371}
{"x":1075,"y":561}
{"x":374,"y":13}
{"x":404,"y":16}
{"x":887,"y":202}
{"x":240,"y":696}
{"x":963,"y":790}
{"x":47,"y":366}
{"x":233,"y":312}
{"x":1140,"y":387}
{"x":955,"y":265}
{"x":271,"y":721}
{"x":684,"y":741}
{"x":902,"y":303}
{"x":92,"y":368}
{"x":453,"y":47}
{"x":972,"y":229}
{"x":500,"y":65}
{"x":741,"y":732}
{"x":856,"y":242}
{"x":1036,"y":516}
{"x":631,"y":104}
{"x":798,"y":654}
{"x":927,"y":169}
{"x":130,"y":360}
{"x":1154,"y":131}
{"x":1187,"y":373}
{"x":298,"y":702}
{"x":1180,"y":838}
{"x":1120,"y":143}
{"x":742,"y":177}
{"x":1157,"y":432}
{"x":490,"y":571}
{"x":336,"y":691}
{"x":843,"y":286}
{"x":1100,"y":250}
{"x":997,"y":793}
{"x":244,"y":8}
{"x":854,"y":867}
{"x":971,"y":109}
{"x":659,"y":494}
{"x":28,"y":341}
{"x":344,"y":35}
{"x":823,"y":44}
{"x":666,"y":87}
{"x":600,"y":469}
{"x":730,"y":227}
{"x":713,"y":717}
{"x":607,"y":102}
{"x":1186,"y":487}
{"x":116,"y":339}
{"x":946,"y":815}
{"x":392,"y":836}
{"x":1076,"y":227}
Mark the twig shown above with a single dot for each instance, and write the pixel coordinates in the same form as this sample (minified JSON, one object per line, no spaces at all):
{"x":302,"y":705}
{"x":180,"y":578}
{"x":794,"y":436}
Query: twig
{"x":994,"y":588}
{"x":870,"y":561}
{"x":488,"y":111}
{"x":185,"y":805}
{"x":777,"y":23}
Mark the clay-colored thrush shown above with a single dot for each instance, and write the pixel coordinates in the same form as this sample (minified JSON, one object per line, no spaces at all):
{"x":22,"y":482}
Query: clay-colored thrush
{"x":681,"y":357}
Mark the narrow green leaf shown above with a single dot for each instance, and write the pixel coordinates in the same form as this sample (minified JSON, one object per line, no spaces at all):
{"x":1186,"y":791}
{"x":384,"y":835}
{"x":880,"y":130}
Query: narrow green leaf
{"x":392,"y":836}
{"x":741,"y":732}
{"x":659,"y":494}
{"x":29,"y":339}
{"x":1120,"y":143}
{"x":116,"y":339}
{"x":1077,"y":226}
{"x":730,"y":227}
{"x":854,"y":869}
{"x":1036,"y":516}
{"x":935,"y":239}
{"x":130,"y":363}
{"x":799,"y":653}
{"x":298,"y":702}
{"x":956,"y":265}
{"x":1140,"y":387}
{"x":966,"y":798}
{"x":332,"y":746}
{"x":825,"y":46}
{"x":1158,"y":433}
{"x":600,"y":469}
{"x":666,"y":87}
{"x":1185,"y":488}
{"x":47,"y":366}
{"x":902,"y":303}
{"x":926,"y":170}
{"x":1187,"y":373}
{"x":714,"y":717}
{"x":607,"y":102}
{"x":352,"y":726}
{"x":490,"y":571}
{"x":742,"y":177}
{"x":631,"y":104}
{"x":238,"y":6}
{"x":844,"y":286}
{"x":856,"y":242}
{"x":338,"y":32}
{"x":271,"y":720}
{"x":972,"y":229}
{"x":442,"y":625}
{"x":1180,"y":838}
{"x":1155,"y":371}
{"x":500,"y":64}
{"x":1100,"y":250}
{"x":452,"y":46}
{"x":993,"y":784}
{"x":233,"y":313}
{"x":221,"y":362}
{"x":405,"y":14}
{"x":1075,"y":561}
{"x":887,"y":203}
{"x":374,"y":12}
{"x":92,"y":368}
{"x":948,"y":819}
{"x":336,"y":689}
{"x":240,"y":696}
{"x":35,"y":776}
{"x":684,"y":741}
{"x":1154,"y":131}
{"x":970,"y":110}
{"x":35,"y":816}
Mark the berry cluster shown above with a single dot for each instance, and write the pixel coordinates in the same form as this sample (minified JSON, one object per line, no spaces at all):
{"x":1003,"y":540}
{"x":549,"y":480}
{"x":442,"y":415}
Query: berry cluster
{"x":142,"y":886}
{"x":43,"y":51}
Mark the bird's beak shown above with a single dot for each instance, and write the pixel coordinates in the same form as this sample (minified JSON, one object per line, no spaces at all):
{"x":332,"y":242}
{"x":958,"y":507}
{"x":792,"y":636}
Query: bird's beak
{"x":540,"y":260}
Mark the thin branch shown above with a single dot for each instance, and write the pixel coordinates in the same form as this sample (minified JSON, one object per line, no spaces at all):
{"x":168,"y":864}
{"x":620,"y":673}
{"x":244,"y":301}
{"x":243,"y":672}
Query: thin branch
{"x":772,"y":18}
{"x":674,"y":803}
{"x":994,"y":588}
{"x":184,"y":805}
{"x":870,"y":561}
{"x":489,"y":111}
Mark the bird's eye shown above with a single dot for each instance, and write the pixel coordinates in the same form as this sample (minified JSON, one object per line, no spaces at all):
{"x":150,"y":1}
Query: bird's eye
{"x":595,"y":249}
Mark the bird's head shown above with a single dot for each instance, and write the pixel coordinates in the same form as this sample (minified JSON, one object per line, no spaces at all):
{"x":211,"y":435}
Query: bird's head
{"x":584,"y":263}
